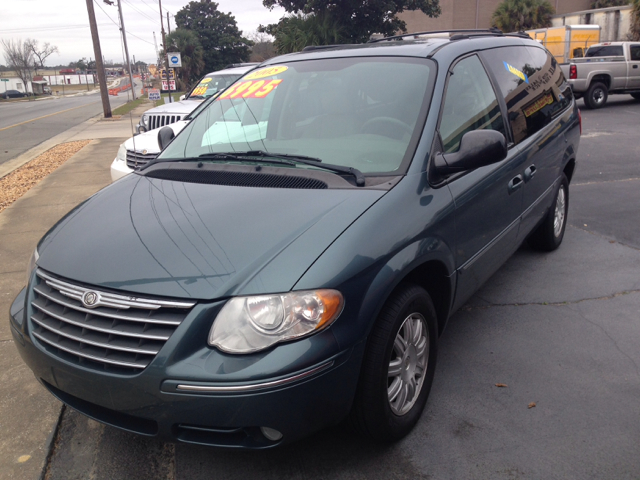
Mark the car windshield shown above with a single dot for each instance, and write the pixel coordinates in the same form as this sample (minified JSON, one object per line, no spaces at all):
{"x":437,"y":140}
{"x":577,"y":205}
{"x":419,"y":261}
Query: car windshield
{"x":212,"y":84}
{"x":366,"y":113}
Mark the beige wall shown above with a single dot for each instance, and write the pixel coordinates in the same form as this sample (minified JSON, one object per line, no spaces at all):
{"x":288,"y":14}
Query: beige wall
{"x":462,"y":14}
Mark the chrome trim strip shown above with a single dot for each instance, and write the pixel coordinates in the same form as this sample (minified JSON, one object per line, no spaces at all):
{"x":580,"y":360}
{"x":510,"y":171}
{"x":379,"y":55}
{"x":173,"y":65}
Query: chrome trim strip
{"x":94,"y":343}
{"x":119,"y":301}
{"x":90,"y":357}
{"x":107,"y":315}
{"x":100,"y":329}
{"x":255,"y":386}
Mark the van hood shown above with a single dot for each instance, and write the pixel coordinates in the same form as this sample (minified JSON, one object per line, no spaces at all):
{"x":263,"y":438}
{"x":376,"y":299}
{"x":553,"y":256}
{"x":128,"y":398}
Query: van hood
{"x":185,"y":240}
{"x":182,"y":107}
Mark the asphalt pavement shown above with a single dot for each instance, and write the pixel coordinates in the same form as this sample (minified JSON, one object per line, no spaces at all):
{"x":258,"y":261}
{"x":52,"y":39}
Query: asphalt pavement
{"x":25,"y":124}
{"x":560,"y":330}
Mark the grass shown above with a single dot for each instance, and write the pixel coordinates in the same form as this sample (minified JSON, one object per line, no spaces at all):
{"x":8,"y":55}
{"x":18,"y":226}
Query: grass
{"x":127,"y":107}
{"x":176,"y":98}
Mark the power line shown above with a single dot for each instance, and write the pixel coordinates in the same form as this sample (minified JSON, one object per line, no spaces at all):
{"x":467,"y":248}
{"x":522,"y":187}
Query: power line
{"x":43,"y":29}
{"x":155,"y":22}
{"x":118,"y":25}
{"x":103,"y":11}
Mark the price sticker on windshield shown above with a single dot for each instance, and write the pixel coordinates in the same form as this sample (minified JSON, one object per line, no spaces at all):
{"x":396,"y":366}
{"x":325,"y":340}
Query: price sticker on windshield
{"x":201,"y":89}
{"x":251,"y":89}
{"x":266,"y":72}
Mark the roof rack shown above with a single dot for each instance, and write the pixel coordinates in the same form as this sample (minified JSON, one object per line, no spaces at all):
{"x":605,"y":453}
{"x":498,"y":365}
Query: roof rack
{"x":310,"y":48}
{"x":459,"y":34}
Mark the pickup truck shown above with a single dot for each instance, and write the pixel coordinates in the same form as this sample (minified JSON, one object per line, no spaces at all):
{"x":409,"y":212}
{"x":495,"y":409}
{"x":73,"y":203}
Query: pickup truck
{"x":606,"y":68}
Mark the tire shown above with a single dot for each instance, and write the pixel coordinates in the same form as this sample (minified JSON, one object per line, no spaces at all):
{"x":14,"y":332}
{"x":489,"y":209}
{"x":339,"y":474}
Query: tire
{"x":549,"y":234}
{"x":636,"y":95}
{"x":376,"y":412}
{"x":596,"y":96}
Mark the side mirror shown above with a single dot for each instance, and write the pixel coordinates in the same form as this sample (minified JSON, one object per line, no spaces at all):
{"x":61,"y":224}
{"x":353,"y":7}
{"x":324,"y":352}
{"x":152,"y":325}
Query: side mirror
{"x":477,"y":149}
{"x":165,"y":135}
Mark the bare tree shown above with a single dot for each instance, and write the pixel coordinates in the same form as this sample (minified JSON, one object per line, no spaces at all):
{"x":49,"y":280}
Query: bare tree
{"x":19,"y":58}
{"x":262,"y":48}
{"x":40,"y":54}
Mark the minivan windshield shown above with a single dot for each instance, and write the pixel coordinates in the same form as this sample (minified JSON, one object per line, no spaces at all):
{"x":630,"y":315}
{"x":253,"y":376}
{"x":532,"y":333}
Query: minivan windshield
{"x":365,"y":113}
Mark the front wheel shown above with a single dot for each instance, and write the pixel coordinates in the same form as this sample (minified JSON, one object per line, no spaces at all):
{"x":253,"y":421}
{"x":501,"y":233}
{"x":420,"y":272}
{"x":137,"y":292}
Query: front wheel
{"x":398,"y":368}
{"x":549,"y":234}
{"x":596,"y":96}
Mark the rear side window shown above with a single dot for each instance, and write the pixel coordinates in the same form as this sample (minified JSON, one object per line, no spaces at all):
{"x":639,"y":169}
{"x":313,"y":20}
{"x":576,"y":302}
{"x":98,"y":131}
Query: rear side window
{"x":532,"y":85}
{"x":470,"y":104}
{"x":605,"y":51}
{"x":635,"y":52}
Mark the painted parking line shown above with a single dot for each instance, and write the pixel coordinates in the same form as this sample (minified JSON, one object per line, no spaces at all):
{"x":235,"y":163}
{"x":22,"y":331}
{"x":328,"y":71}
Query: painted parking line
{"x":45,"y":116}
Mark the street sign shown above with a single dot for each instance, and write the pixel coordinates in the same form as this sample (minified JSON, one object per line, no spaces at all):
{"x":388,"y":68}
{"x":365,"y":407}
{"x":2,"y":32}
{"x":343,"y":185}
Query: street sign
{"x":172,"y":74}
{"x":165,"y":85}
{"x":154,"y":94}
{"x":172,"y":84}
{"x":174,"y":59}
{"x":4,"y":79}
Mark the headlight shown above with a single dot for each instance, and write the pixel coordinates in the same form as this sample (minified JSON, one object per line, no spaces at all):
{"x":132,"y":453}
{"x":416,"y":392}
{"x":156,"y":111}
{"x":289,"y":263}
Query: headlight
{"x":145,"y":120}
{"x":32,"y":264}
{"x":250,"y":324}
{"x":122,"y":153}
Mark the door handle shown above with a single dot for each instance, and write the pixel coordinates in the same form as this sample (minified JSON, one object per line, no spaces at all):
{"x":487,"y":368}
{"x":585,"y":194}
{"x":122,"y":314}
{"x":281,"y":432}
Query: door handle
{"x":529,"y":172}
{"x":515,"y":183}
{"x":635,"y":66}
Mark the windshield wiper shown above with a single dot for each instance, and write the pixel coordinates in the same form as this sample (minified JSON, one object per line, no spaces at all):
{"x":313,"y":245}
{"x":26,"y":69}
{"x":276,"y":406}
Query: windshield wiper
{"x":314,"y":162}
{"x":265,"y":157}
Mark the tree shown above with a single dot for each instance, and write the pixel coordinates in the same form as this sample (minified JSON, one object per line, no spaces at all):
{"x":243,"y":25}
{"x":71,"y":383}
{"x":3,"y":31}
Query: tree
{"x":40,"y":54}
{"x":262,"y":48}
{"x":186,"y":42}
{"x":222,"y":42}
{"x":519,"y":15}
{"x":19,"y":58}
{"x":634,"y":29}
{"x":608,"y":3}
{"x":354,"y":20}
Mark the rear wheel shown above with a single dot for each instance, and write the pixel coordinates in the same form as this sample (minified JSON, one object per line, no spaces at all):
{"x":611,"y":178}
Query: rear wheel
{"x":596,"y":96}
{"x":398,"y":368}
{"x":549,"y":234}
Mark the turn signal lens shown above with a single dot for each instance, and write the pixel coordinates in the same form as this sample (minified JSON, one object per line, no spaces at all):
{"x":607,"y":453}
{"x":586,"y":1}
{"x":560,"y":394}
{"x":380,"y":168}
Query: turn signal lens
{"x":251,"y":324}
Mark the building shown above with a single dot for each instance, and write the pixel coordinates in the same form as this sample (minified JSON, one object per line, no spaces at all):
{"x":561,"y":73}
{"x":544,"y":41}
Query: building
{"x":457,"y":14}
{"x":614,"y":22}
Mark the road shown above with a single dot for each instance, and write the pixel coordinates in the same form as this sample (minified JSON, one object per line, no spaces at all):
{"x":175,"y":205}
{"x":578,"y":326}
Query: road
{"x":25,"y":124}
{"x":560,"y":330}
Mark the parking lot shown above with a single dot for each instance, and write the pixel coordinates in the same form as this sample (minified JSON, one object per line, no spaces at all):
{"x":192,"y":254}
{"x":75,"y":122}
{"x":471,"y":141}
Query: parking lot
{"x":560,"y":330}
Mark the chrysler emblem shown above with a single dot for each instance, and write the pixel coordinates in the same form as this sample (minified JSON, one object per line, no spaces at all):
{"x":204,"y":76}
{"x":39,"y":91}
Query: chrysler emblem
{"x":144,"y":152}
{"x":90,"y":299}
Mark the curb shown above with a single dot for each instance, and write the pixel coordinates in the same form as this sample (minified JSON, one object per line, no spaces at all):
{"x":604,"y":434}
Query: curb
{"x":50,"y":442}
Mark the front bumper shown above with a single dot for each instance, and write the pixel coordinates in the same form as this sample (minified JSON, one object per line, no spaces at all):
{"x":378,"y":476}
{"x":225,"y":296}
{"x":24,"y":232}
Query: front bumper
{"x":119,"y":169}
{"x":183,"y":396}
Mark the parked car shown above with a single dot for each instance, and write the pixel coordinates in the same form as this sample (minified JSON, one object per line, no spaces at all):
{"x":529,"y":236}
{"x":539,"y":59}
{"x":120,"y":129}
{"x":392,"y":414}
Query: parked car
{"x":208,"y":85}
{"x":47,"y":90}
{"x":140,"y":149}
{"x":12,"y":94}
{"x":294,"y":253}
{"x":608,"y":68}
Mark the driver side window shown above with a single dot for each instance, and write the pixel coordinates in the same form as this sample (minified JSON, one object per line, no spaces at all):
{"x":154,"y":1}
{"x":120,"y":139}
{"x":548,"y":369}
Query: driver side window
{"x":470,"y":104}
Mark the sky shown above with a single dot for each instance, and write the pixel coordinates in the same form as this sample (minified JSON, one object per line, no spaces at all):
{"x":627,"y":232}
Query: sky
{"x":65,"y":23}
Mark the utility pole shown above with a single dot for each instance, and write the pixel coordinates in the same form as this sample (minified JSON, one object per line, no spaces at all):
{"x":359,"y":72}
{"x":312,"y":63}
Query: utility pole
{"x":106,"y":107}
{"x":126,"y":50}
{"x":155,"y":42}
{"x":168,"y":24}
{"x":164,"y":46}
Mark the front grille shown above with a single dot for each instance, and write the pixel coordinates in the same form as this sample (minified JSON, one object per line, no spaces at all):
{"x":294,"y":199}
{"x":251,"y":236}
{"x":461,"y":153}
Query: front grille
{"x":136,"y":160}
{"x":157,"y":121}
{"x":118,"y":333}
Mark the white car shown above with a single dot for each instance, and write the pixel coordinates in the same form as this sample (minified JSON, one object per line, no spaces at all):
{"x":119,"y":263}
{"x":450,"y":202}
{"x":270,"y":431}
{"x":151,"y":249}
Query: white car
{"x":140,"y":150}
{"x":209,"y":85}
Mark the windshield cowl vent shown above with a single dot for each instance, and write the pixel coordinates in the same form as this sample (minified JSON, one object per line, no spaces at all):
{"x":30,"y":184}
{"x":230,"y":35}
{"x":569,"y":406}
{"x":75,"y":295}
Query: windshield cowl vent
{"x":236,"y":179}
